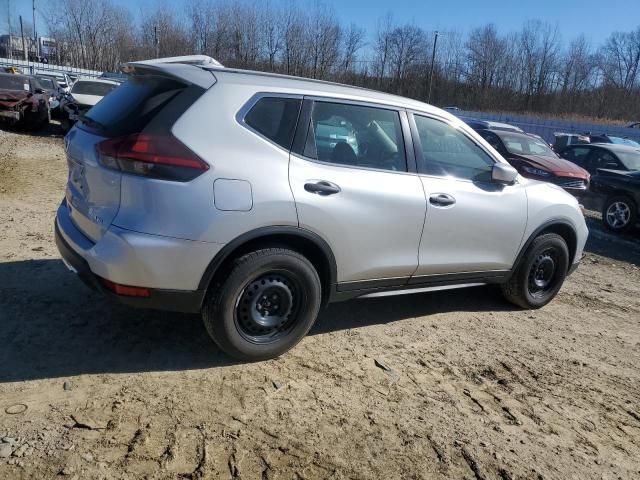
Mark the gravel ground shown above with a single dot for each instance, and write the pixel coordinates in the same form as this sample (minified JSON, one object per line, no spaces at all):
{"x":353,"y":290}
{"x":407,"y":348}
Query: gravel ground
{"x":453,"y":384}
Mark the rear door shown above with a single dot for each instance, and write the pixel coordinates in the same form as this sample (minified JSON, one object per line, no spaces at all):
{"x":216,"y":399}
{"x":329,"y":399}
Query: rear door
{"x":473,"y":226}
{"x":351,"y":177}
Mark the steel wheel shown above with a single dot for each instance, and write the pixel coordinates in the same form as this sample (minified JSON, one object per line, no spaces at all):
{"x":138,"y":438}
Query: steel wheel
{"x":267,"y":307}
{"x":543,"y":273}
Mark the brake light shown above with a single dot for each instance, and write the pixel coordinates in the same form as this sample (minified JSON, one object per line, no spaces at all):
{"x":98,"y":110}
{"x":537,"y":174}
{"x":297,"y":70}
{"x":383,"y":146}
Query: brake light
{"x":151,"y":155}
{"x":125,"y":290}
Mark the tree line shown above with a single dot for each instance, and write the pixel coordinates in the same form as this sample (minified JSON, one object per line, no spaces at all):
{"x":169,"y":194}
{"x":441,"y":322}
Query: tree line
{"x":532,"y":69}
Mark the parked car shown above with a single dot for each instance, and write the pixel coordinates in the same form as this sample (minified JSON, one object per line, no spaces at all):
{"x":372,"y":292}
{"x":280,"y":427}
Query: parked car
{"x":85,"y":93}
{"x":595,"y":156}
{"x":63,"y":79}
{"x":23,"y":101}
{"x":533,"y":158}
{"x":53,"y":89}
{"x":14,"y":70}
{"x":621,"y":189}
{"x":199,"y":188}
{"x":563,"y":140}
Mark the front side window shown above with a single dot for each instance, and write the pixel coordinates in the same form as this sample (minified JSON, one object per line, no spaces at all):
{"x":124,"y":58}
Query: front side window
{"x":275,"y":118}
{"x":448,"y":152}
{"x":355,"y":135}
{"x":603,"y":159}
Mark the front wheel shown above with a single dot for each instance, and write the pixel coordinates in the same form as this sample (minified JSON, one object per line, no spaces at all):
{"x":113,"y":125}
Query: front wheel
{"x":266,"y":305}
{"x":619,"y":214}
{"x":540,"y":273}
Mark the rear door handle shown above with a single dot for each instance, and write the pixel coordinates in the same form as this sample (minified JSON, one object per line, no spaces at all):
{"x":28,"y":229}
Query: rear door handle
{"x":321,"y":187}
{"x":441,"y":200}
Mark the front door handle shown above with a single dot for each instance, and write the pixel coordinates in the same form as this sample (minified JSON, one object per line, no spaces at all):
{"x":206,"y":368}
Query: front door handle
{"x":322,"y":187}
{"x":441,"y":200}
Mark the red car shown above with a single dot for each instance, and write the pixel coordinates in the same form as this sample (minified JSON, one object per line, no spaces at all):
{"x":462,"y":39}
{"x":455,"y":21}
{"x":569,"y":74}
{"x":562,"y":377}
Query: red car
{"x":23,"y":101}
{"x":533,"y":158}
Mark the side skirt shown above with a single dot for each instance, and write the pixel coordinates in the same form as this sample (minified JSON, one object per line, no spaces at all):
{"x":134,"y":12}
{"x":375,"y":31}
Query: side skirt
{"x":425,"y":283}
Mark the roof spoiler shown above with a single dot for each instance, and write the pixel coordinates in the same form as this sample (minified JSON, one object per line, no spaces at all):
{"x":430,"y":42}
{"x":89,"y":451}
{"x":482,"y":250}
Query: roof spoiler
{"x":179,"y":68}
{"x":202,"y":60}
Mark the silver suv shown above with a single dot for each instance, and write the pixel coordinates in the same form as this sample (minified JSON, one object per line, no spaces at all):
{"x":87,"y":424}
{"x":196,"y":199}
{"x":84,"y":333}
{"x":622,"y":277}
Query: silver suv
{"x":256,"y":199}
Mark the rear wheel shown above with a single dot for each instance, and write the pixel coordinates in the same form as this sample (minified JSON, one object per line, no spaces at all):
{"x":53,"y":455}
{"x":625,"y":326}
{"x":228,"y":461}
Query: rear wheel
{"x":266,"y":305}
{"x":540,"y":273}
{"x":619,"y":214}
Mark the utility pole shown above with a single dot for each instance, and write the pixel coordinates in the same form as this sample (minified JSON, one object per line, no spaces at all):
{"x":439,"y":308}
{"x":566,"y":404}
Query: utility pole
{"x":35,"y":32}
{"x":9,"y":46}
{"x":156,"y":41}
{"x":24,"y":48}
{"x":433,"y":61}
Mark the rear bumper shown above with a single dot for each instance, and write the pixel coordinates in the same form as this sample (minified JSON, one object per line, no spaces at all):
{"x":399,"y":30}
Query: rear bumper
{"x":141,"y":260}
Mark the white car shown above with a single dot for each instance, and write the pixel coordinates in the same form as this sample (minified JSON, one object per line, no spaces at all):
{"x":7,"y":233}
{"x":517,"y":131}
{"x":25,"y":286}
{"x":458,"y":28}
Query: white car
{"x":85,"y":93}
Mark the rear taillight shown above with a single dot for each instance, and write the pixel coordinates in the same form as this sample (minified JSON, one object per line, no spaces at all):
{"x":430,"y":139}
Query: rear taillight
{"x":151,"y":155}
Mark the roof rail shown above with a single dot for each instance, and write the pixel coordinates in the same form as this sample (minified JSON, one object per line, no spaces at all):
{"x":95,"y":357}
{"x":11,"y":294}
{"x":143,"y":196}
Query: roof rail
{"x":203,"y":60}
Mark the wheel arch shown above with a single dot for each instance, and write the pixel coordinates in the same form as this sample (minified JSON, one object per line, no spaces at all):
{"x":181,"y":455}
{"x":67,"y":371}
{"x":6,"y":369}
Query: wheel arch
{"x":303,"y":241}
{"x":560,"y":227}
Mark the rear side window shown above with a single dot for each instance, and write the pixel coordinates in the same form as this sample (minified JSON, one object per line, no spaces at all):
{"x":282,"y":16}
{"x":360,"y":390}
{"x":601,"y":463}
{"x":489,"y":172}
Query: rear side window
{"x":131,"y":106}
{"x":357,"y":136}
{"x":576,"y":155}
{"x":275,"y":118}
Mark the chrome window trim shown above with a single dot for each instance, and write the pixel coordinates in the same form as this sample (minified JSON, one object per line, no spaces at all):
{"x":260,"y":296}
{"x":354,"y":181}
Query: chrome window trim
{"x":255,"y":98}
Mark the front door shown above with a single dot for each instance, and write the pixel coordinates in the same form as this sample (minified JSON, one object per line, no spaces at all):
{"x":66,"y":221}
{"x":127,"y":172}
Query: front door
{"x":472,"y":224}
{"x":352,"y":187}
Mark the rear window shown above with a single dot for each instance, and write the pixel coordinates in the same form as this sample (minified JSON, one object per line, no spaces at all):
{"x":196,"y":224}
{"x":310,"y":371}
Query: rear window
{"x":130,"y":107}
{"x":275,"y":118}
{"x":93,"y":88}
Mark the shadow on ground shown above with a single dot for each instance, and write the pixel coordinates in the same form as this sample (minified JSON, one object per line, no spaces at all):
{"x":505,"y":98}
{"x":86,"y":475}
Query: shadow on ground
{"x":52,"y":326}
{"x":618,"y":247}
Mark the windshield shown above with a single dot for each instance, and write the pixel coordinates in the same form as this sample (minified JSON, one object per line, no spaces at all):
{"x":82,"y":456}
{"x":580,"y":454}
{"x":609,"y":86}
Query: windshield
{"x":45,"y":83}
{"x":92,"y":88}
{"x":624,"y":141}
{"x":631,"y":160}
{"x":524,"y":145}
{"x":14,"y":82}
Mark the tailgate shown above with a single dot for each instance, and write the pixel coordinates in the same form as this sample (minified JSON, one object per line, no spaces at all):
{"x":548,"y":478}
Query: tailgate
{"x":93,"y":192}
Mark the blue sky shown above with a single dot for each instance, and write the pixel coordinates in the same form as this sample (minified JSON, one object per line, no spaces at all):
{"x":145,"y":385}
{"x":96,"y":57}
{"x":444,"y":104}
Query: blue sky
{"x":595,"y":18}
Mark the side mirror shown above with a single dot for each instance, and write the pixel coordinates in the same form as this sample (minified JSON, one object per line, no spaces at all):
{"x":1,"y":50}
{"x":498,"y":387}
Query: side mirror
{"x":503,"y":173}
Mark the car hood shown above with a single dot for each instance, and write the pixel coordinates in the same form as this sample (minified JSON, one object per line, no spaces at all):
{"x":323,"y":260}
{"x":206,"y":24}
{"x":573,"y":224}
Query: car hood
{"x":558,"y":166}
{"x":89,"y":100}
{"x":11,"y":98}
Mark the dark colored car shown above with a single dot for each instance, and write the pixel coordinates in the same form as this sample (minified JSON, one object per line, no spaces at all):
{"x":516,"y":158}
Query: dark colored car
{"x":616,"y":178}
{"x":610,"y":156}
{"x":23,"y":101}
{"x":52,"y":87}
{"x":533,"y":158}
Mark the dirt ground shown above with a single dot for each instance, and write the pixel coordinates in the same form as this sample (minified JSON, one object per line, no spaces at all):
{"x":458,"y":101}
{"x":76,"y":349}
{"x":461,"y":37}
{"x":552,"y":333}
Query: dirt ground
{"x":453,"y":384}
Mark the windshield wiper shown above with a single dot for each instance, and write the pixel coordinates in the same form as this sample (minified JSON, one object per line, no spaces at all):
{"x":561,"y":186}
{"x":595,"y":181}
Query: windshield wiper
{"x":90,"y":121}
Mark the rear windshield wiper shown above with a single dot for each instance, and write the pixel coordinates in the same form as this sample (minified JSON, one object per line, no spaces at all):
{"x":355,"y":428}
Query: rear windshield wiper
{"x":90,"y":121}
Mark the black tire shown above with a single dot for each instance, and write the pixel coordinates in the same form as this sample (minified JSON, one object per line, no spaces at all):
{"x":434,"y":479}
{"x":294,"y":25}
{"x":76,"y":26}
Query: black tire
{"x":619,"y":213}
{"x":265,"y":306}
{"x":540,"y":273}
